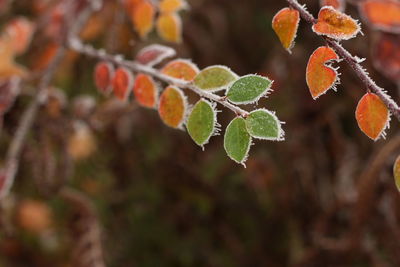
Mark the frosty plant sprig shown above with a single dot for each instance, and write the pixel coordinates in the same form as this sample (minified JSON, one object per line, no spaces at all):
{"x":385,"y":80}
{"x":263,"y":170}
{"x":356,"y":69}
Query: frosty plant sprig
{"x":375,"y":107}
{"x":214,"y":85}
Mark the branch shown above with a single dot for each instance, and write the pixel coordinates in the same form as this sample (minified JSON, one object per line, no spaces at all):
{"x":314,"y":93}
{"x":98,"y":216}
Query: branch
{"x":76,"y":45}
{"x":352,"y":61}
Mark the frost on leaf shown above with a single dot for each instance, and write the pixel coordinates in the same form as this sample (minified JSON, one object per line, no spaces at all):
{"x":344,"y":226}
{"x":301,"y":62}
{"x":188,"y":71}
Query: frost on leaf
{"x":122,"y":83}
{"x":263,"y":124}
{"x":321,"y":77}
{"x":201,"y":123}
{"x":172,"y":107}
{"x":285,"y":24}
{"x":103,"y":74}
{"x":169,"y":27}
{"x":372,"y":116}
{"x":336,"y":4}
{"x":215,"y":78}
{"x":145,"y":91}
{"x":143,"y":18}
{"x":335,"y":24}
{"x":248,"y":89}
{"x":20,"y":30}
{"x":382,"y":14}
{"x":169,"y":6}
{"x":181,"y":69}
{"x":237,"y":140}
{"x":386,"y":55}
{"x":154,"y":54}
{"x":396,"y":172}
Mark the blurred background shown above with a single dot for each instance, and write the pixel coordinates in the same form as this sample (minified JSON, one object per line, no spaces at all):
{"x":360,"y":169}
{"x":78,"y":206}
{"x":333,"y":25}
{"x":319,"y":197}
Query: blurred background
{"x":102,"y":183}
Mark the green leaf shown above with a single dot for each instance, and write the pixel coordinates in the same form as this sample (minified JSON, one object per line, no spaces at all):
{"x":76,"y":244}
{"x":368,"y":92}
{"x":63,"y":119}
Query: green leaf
{"x":237,"y":140}
{"x":201,"y":122}
{"x":263,"y":124}
{"x":248,"y":89}
{"x":215,"y":78}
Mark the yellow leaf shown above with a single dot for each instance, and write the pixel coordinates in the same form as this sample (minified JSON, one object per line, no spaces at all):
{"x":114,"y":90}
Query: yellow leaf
{"x":169,"y":27}
{"x":169,"y":6}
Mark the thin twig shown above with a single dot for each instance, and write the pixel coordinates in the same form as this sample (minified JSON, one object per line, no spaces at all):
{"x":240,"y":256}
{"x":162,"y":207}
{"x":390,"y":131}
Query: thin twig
{"x":352,"y":61}
{"x":76,"y":45}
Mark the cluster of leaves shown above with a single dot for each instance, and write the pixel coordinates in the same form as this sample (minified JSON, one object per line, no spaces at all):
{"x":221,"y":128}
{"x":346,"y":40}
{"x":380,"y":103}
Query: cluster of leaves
{"x":168,"y":23}
{"x":201,"y":119}
{"x":372,"y":114}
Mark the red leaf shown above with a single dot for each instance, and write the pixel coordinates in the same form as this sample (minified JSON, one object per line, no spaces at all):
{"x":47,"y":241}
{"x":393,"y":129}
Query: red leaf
{"x":372,"y":116}
{"x":103,"y":75}
{"x":154,"y":54}
{"x":122,"y":83}
{"x":321,"y":77}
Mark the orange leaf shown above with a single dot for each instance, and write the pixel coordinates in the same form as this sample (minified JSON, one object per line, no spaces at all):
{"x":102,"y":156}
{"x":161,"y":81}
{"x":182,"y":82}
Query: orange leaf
{"x":382,"y":14}
{"x":122,"y":83}
{"x":20,"y":31}
{"x":169,"y":27}
{"x":143,"y":18}
{"x":103,"y":75}
{"x":145,"y":91}
{"x":172,"y":107}
{"x":181,"y":69}
{"x":336,"y":4}
{"x":285,"y":24}
{"x":169,"y":6}
{"x":321,"y":77}
{"x":386,"y":55}
{"x":154,"y":54}
{"x":372,"y":116}
{"x":335,"y":24}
